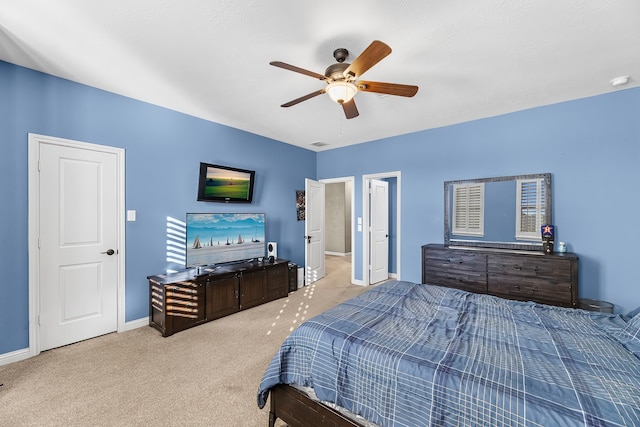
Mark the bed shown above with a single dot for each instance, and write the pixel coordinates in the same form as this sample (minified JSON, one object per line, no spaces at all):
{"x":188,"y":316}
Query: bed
{"x":407,"y":354}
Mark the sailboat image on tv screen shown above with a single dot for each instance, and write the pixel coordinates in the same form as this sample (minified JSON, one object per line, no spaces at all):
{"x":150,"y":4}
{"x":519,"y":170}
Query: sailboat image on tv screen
{"x":255,"y":238}
{"x":196,"y":243}
{"x":223,"y":227}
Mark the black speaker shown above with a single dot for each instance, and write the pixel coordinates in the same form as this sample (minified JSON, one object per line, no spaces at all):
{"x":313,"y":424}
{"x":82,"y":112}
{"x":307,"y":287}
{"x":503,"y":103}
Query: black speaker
{"x":293,"y":277}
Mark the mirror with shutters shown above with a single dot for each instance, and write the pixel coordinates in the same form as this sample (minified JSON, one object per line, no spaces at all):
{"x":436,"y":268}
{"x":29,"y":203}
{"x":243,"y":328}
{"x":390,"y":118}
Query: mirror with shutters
{"x":501,"y":212}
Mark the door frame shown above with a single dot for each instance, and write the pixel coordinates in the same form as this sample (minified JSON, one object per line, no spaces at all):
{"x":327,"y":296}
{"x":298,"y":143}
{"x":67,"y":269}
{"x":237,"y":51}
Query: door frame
{"x":34,"y":141}
{"x":366,"y":219}
{"x":350,"y":179}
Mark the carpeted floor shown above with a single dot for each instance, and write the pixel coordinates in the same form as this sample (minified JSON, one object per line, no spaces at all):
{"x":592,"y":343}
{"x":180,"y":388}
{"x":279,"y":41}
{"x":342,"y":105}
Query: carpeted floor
{"x":204,"y":376}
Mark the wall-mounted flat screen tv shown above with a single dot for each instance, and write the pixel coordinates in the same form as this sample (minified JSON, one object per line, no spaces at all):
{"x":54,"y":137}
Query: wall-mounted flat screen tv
{"x":217,"y":238}
{"x":225,"y":184}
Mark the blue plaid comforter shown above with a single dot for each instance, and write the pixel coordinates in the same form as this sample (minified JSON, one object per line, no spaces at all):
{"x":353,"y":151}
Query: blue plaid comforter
{"x":405,"y":354}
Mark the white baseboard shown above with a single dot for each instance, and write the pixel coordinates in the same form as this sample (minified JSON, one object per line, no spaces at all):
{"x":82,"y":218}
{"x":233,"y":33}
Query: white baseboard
{"x":18,"y":355}
{"x":135,"y":324}
{"x":360,"y":282}
{"x":14,"y":356}
{"x":337,"y":253}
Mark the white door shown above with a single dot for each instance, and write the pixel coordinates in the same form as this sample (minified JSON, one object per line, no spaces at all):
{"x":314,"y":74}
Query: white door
{"x":78,"y":229}
{"x":314,"y":230}
{"x":379,"y":231}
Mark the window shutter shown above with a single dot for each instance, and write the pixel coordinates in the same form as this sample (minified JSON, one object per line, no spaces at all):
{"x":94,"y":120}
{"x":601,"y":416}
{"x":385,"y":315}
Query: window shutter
{"x":468,"y":209}
{"x":529,"y":211}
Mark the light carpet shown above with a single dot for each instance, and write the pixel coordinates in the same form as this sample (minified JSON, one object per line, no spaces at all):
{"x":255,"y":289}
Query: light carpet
{"x":204,"y":376}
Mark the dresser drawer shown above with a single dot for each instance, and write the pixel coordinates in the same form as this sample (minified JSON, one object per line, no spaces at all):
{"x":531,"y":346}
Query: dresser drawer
{"x":532,"y":266}
{"x":455,"y":268}
{"x":540,"y":278}
{"x":531,"y":289}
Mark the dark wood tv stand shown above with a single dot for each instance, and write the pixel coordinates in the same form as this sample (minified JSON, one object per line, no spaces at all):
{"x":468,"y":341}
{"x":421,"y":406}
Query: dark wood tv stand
{"x":182,"y":300}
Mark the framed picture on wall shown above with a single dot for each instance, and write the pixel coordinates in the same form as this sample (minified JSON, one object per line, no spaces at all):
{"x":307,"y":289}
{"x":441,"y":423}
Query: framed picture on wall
{"x":300,"y":205}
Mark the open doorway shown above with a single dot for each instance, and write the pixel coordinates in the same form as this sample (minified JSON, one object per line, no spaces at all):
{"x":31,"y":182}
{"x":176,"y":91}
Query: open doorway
{"x":339,"y":228}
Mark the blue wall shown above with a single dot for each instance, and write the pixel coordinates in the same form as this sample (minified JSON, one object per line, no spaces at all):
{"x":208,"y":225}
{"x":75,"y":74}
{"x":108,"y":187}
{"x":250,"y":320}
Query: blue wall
{"x":163,"y":151}
{"x":590,"y":146}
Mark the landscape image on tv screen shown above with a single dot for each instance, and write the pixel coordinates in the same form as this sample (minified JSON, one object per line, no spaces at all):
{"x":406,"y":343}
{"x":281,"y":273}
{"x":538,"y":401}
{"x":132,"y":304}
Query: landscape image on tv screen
{"x":225,"y":184}
{"x":214,"y":238}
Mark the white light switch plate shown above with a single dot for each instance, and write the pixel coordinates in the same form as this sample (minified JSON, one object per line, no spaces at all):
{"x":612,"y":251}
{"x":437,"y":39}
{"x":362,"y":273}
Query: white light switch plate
{"x":131,"y":215}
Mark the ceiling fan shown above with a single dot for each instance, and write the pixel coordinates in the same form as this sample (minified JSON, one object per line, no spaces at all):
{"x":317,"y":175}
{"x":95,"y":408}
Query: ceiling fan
{"x":342,"y":78}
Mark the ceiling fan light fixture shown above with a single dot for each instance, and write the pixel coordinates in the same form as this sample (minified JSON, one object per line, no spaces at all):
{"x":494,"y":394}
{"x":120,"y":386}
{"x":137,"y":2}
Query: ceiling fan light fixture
{"x":341,"y":91}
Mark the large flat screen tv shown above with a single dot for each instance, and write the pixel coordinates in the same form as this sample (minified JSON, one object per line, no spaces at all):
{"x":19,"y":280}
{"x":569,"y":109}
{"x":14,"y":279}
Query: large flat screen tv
{"x":225,"y":184}
{"x":218,"y":238}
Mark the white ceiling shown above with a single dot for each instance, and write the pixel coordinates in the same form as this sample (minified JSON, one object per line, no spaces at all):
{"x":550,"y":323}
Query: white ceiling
{"x":210,"y":58}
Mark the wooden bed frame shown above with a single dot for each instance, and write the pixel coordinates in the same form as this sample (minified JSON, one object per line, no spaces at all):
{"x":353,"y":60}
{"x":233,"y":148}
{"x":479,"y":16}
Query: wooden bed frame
{"x":549,"y":279}
{"x":298,"y":410}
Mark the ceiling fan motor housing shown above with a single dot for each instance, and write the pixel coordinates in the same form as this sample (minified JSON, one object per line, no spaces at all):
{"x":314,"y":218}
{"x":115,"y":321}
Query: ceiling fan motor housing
{"x":336,"y":71}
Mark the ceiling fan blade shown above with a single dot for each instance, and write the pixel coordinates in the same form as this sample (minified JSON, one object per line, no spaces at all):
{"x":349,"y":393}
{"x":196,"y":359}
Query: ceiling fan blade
{"x":303,"y":98}
{"x":350,"y":109}
{"x":373,"y":54}
{"x":387,"y":88}
{"x":297,"y":70}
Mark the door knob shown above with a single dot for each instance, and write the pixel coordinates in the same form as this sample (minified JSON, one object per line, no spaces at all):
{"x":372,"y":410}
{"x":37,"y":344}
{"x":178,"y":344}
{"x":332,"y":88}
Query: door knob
{"x":109,"y":252}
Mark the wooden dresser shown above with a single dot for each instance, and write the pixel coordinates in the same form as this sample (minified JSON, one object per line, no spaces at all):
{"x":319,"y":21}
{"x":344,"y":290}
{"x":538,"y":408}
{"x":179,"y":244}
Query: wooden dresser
{"x":528,"y":276}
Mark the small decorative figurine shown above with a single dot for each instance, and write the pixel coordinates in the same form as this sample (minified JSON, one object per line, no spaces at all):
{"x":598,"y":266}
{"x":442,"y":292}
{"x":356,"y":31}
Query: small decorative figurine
{"x":547,"y":238}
